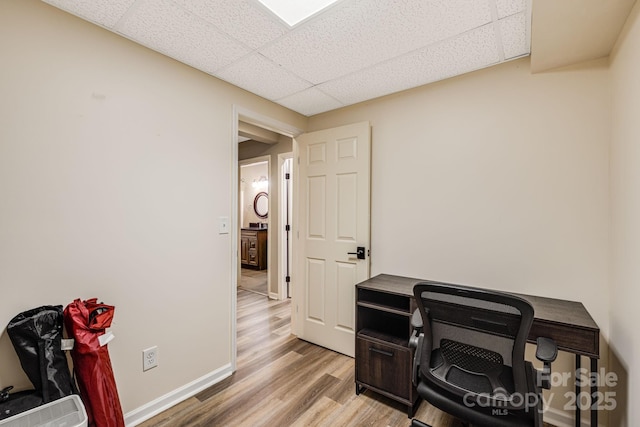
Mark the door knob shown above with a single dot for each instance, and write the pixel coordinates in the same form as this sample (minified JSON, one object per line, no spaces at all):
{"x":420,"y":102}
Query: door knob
{"x":359,"y":252}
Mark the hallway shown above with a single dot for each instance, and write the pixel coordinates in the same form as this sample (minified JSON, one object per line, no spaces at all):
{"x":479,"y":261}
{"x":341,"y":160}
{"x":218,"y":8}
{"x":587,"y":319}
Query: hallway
{"x":254,"y":281}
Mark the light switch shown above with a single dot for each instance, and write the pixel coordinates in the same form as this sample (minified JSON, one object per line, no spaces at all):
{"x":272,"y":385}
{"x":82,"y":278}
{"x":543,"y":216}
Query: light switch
{"x":223,"y":225}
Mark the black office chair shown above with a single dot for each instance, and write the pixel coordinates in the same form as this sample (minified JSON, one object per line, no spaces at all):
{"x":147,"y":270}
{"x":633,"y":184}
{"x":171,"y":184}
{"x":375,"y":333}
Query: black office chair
{"x":469,"y":359}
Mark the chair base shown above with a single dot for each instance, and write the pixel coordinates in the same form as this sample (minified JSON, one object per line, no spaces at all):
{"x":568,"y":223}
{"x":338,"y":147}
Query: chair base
{"x":416,"y":423}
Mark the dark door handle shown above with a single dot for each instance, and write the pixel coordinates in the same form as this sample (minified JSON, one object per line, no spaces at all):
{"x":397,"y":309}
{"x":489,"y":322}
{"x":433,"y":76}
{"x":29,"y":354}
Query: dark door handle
{"x":359,"y":253}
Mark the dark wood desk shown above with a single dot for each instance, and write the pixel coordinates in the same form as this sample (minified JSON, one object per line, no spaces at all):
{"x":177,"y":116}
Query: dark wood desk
{"x":568,"y":323}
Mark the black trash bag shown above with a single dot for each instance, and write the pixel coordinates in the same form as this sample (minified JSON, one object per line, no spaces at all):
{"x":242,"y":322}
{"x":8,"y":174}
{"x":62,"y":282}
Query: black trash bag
{"x":37,"y":338}
{"x":15,"y":403}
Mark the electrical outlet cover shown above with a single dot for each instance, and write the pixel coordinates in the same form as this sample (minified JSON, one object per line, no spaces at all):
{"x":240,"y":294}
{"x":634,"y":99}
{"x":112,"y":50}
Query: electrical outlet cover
{"x":149,"y":358}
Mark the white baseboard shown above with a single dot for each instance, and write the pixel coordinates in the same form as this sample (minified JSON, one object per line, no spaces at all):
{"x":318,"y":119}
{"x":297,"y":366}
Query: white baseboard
{"x":176,"y":396}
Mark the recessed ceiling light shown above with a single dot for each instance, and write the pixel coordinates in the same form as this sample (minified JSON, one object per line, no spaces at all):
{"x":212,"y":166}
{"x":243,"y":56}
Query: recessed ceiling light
{"x":295,"y":11}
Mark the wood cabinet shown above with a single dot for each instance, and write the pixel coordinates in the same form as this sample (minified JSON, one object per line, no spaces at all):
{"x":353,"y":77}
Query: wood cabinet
{"x":253,"y":248}
{"x":383,"y":357}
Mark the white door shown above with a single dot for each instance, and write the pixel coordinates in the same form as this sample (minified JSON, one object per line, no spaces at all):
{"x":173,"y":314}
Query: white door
{"x":333,"y":199}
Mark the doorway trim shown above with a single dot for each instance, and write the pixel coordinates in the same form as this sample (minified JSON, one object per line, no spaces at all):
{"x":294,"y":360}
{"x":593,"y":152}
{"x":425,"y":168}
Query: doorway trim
{"x":284,"y":244}
{"x":252,"y":117}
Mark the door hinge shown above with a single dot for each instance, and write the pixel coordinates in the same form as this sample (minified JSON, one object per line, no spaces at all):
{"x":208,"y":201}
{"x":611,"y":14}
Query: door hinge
{"x":287,"y":175}
{"x":287,"y":227}
{"x":287,"y":279}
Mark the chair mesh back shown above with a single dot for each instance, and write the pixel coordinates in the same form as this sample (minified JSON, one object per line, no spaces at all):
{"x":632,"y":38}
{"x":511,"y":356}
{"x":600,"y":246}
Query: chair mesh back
{"x":474,"y":338}
{"x":472,"y":358}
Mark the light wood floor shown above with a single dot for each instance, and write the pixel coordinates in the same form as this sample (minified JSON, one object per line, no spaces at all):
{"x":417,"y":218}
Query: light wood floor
{"x":254,"y":281}
{"x":283,"y":381}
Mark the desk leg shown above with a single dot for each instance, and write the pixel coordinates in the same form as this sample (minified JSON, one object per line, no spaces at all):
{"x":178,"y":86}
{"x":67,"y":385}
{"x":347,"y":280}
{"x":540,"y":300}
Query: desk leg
{"x":578,"y":408}
{"x":594,"y":394}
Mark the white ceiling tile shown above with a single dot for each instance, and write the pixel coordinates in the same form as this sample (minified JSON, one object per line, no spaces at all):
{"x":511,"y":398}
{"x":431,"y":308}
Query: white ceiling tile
{"x":257,"y":74}
{"x":238,"y":18}
{"x":354,"y":51}
{"x":309,"y":102}
{"x":359,"y":33}
{"x":513,"y":31}
{"x":167,"y":28}
{"x":510,"y":7}
{"x":471,"y":51}
{"x":103,"y":12}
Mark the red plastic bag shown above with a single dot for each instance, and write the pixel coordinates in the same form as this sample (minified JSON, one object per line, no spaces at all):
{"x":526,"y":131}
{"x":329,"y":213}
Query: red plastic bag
{"x":86,"y":321}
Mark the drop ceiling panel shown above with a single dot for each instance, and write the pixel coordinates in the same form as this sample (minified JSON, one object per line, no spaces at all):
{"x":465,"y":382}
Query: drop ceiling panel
{"x":470,"y":51}
{"x":512,"y":32}
{"x":353,"y":51}
{"x":104,"y":12}
{"x":257,"y":74}
{"x":240,"y":19}
{"x":310,"y":101}
{"x":169,"y":29}
{"x":359,"y":33}
{"x":510,"y":7}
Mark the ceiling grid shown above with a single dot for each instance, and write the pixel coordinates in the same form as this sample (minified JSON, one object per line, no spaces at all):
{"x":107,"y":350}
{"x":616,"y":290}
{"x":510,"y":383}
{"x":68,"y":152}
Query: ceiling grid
{"x":350,"y":52}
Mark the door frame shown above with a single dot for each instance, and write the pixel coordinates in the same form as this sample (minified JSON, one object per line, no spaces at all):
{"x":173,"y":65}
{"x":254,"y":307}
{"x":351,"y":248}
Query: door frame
{"x":283,"y":251}
{"x":248,"y":116}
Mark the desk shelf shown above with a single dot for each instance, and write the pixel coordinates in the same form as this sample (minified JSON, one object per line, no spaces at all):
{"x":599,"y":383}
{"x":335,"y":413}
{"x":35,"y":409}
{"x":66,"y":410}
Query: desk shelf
{"x":384,"y":301}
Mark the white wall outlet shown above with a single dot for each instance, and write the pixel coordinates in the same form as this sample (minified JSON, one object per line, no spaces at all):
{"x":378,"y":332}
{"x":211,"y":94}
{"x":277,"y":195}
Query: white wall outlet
{"x":150,"y":358}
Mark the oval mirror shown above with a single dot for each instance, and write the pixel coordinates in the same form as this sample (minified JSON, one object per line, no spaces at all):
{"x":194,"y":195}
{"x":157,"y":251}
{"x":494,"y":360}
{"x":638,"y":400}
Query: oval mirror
{"x":261,"y":204}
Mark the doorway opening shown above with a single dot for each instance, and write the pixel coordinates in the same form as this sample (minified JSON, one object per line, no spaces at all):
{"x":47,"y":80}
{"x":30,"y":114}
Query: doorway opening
{"x":254,"y":225}
{"x":258,"y":138}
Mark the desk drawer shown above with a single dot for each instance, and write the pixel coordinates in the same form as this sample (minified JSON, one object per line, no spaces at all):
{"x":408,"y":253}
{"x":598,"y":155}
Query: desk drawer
{"x":384,"y":367}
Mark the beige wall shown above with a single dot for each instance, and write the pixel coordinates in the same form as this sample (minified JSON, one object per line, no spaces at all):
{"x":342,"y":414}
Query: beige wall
{"x":248,"y":173}
{"x":499,"y":179}
{"x":115,"y":165}
{"x":625,"y":201}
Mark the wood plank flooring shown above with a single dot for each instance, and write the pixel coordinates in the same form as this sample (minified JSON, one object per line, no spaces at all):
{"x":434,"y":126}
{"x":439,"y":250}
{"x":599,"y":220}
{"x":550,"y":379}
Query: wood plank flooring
{"x":283,"y":381}
{"x":254,"y":281}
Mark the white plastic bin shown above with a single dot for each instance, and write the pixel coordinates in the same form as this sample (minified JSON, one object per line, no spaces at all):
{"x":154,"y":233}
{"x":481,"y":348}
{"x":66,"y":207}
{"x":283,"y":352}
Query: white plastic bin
{"x":66,"y":412}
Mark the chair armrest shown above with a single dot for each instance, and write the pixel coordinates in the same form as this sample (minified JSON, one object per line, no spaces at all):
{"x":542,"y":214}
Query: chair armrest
{"x":546,"y":352}
{"x":416,"y":324}
{"x":416,"y":320}
{"x":416,"y":342}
